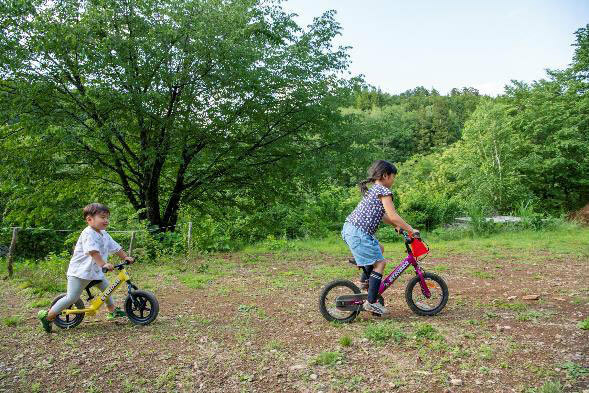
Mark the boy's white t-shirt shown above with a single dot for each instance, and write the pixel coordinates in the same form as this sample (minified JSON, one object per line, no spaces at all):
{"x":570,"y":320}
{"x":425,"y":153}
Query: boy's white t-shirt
{"x":82,"y":265}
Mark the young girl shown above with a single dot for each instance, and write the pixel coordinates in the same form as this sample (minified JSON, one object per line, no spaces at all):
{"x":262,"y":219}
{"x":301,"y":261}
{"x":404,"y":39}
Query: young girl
{"x":361,"y":224}
{"x":90,"y":255}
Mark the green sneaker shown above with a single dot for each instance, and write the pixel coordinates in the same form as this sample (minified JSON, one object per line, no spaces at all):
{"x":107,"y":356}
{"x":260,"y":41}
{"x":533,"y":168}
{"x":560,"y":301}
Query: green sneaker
{"x":42,"y":315}
{"x":117,"y":313}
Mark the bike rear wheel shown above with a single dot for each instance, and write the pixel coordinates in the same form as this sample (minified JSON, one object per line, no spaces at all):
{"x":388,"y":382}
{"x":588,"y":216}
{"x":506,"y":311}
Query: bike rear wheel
{"x":422,"y":305}
{"x":144,"y":309}
{"x":327,"y":304}
{"x":70,"y":320}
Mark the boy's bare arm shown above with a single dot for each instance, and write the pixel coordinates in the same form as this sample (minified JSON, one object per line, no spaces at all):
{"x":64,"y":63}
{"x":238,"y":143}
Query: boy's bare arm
{"x":123,"y":255}
{"x":99,"y":261}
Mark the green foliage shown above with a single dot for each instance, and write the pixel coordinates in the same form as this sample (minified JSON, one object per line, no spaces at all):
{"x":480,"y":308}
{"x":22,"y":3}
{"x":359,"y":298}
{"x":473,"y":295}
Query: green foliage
{"x":128,"y":109}
{"x":45,"y":276}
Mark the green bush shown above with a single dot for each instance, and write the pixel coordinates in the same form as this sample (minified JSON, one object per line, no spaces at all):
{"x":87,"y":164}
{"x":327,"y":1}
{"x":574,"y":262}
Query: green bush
{"x":427,"y":211}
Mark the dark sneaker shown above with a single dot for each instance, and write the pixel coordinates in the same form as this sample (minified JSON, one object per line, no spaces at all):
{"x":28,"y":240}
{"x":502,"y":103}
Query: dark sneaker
{"x":117,"y":313}
{"x":375,"y":308}
{"x":42,"y":315}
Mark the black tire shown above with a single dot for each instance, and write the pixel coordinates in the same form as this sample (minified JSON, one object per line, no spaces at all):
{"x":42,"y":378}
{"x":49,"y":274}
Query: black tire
{"x":439,"y":295}
{"x":345,"y":316}
{"x":146,"y":309}
{"x":71,"y":320}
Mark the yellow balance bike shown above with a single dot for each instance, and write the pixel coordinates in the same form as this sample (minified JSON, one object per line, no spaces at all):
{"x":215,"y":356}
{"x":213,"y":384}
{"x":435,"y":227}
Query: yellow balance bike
{"x":141,"y":307}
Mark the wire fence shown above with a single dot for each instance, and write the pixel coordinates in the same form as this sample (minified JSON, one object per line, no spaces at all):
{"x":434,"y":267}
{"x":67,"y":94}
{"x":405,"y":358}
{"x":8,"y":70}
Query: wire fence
{"x":23,"y":240}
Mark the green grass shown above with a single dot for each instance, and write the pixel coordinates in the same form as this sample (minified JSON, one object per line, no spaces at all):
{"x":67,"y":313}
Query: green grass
{"x":574,"y":371}
{"x":566,"y":240}
{"x":584,"y":324}
{"x":384,"y":331}
{"x":40,"y":303}
{"x":328,"y":358}
{"x":345,"y":341}
{"x":13,"y":320}
{"x":511,"y":306}
{"x":482,"y":275}
{"x":425,"y":331}
{"x":531,"y":315}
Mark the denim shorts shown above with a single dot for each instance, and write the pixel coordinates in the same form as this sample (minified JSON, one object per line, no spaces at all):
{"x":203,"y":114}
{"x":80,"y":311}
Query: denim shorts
{"x":365,"y":248}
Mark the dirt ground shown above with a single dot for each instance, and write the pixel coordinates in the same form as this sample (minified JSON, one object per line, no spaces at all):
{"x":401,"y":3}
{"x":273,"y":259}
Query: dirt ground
{"x":250,"y":323}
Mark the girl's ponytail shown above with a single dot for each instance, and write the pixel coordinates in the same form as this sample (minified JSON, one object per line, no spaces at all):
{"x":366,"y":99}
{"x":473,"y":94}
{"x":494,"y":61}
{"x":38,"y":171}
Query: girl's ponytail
{"x":362,"y":185}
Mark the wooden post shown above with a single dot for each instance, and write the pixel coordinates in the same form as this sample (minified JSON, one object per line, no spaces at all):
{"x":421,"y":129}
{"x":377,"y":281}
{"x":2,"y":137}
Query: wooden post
{"x":131,"y":243}
{"x":189,"y":237}
{"x":11,"y":251}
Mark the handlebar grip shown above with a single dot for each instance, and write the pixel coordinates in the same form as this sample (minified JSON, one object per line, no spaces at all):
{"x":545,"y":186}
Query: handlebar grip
{"x":104,"y":270}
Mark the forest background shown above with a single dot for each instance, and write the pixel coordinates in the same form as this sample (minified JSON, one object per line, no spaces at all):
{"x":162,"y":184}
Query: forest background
{"x":229,"y":116}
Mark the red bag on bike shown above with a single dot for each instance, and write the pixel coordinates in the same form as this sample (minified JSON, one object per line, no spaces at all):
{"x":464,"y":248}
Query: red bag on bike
{"x":419,"y":248}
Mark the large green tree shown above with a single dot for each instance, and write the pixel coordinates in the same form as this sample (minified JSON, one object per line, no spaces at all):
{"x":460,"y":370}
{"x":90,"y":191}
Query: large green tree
{"x":171,"y":102}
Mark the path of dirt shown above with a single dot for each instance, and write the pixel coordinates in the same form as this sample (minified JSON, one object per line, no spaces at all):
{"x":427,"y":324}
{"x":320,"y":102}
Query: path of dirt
{"x":258,"y":329}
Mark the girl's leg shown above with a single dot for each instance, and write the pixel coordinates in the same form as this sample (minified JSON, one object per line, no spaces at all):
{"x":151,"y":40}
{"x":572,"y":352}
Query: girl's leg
{"x":374,"y":281}
{"x":365,"y":277}
{"x":75,"y":286}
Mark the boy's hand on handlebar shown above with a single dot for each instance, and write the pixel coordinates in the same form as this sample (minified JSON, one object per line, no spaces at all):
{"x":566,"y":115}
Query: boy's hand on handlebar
{"x":129,"y":259}
{"x":108,"y":266}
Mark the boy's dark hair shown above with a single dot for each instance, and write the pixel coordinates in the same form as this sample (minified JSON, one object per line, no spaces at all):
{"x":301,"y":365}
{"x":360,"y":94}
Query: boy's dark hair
{"x":95,"y":208}
{"x":376,"y":171}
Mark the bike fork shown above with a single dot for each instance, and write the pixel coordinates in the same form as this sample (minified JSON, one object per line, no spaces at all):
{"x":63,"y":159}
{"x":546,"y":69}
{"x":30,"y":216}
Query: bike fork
{"x":422,"y":283}
{"x":130,"y":289}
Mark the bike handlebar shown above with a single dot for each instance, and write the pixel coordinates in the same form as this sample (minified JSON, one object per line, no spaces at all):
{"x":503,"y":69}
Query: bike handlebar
{"x":407,"y":237}
{"x":120,"y":266}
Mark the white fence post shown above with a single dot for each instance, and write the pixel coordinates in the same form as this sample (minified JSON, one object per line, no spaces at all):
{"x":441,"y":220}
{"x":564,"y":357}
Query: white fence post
{"x":189,"y":237}
{"x":131,"y":243}
{"x":11,"y":251}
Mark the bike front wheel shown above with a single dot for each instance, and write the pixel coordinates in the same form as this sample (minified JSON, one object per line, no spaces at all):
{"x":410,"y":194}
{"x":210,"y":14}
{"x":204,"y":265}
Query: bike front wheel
{"x":142,"y":308}
{"x":327,"y":301}
{"x":70,"y":320}
{"x":419,"y":303}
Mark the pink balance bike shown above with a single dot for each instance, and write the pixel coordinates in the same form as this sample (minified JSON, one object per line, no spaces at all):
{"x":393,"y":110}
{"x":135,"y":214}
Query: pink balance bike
{"x":426,"y":293}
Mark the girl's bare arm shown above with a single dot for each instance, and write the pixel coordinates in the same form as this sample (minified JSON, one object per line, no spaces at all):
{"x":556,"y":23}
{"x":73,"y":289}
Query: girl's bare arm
{"x":392,"y":217}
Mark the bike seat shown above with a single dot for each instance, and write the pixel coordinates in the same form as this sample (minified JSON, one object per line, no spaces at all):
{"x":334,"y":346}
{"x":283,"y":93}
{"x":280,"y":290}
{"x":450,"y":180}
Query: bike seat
{"x":93,"y":283}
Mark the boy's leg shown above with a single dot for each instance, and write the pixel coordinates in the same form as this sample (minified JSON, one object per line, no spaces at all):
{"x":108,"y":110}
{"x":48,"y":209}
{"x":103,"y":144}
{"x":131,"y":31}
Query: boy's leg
{"x":75,"y":286}
{"x":114,"y":312}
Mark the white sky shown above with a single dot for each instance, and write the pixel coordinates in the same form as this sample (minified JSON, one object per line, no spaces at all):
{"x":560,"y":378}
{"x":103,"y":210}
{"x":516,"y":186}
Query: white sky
{"x":400,"y":44}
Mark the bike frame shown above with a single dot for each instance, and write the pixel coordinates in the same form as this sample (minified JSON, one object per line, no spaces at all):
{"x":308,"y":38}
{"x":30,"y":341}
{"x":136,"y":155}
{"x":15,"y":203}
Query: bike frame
{"x":392,"y":277}
{"x":98,"y":301}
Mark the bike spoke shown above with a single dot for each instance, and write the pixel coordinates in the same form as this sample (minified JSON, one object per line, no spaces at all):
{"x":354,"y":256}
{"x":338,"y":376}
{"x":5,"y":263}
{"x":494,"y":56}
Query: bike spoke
{"x":431,"y":303}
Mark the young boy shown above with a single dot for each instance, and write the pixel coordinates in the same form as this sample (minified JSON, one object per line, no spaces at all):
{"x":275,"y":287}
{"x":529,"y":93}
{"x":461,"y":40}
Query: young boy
{"x":90,"y":255}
